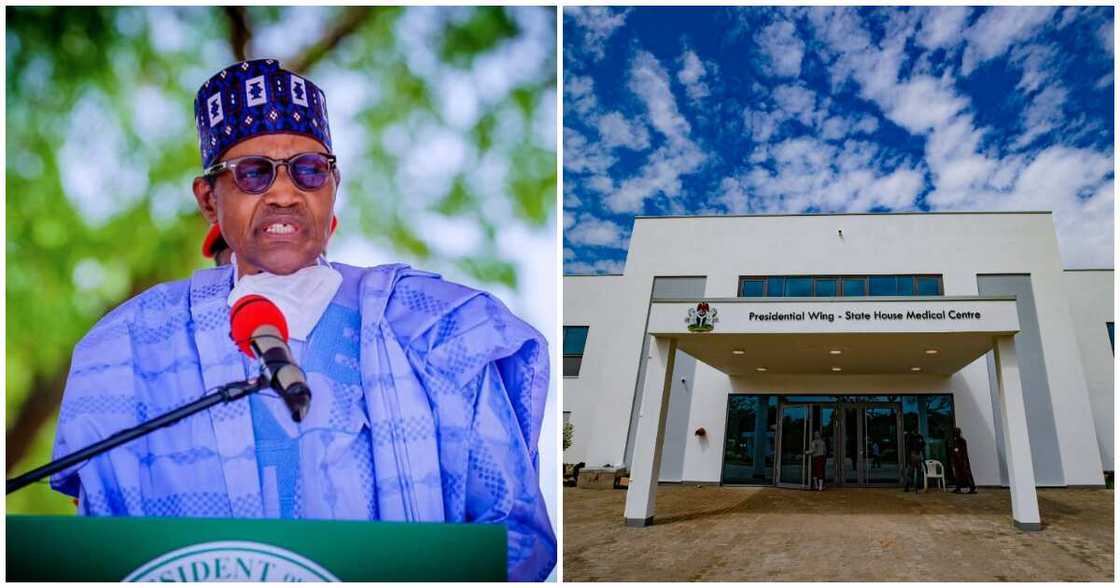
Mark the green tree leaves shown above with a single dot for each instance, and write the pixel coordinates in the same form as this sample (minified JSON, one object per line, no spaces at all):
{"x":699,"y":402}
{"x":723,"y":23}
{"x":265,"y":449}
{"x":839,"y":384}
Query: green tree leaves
{"x":101,"y":150}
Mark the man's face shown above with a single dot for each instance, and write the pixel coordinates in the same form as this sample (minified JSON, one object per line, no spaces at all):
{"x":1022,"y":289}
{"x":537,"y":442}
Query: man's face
{"x":246,"y":218}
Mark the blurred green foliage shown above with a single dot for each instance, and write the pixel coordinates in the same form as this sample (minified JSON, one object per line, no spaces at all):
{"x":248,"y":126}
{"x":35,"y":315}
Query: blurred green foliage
{"x":99,"y":205}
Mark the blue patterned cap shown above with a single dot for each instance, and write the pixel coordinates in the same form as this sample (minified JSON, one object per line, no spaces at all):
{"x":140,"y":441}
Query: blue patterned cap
{"x":254,"y":98}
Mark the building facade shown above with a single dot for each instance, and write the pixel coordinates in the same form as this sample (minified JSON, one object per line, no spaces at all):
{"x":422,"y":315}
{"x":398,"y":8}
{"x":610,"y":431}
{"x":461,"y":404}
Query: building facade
{"x":866,"y":328}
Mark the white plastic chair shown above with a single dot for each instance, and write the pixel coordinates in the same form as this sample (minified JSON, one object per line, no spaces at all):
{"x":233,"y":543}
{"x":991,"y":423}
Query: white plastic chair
{"x":934,"y":469}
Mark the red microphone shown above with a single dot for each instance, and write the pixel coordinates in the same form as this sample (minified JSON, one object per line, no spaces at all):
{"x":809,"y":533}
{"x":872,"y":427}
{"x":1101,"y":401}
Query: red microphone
{"x":258,"y":328}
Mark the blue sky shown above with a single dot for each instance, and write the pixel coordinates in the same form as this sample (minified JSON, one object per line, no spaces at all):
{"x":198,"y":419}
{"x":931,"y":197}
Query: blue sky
{"x":721,"y":110}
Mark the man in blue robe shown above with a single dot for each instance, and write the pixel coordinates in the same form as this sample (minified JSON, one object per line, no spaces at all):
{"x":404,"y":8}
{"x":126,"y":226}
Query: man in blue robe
{"x":427,"y":395}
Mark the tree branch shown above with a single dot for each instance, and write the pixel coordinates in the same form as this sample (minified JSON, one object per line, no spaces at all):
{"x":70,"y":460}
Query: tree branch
{"x":46,"y":396}
{"x":239,"y":33}
{"x":349,"y":22}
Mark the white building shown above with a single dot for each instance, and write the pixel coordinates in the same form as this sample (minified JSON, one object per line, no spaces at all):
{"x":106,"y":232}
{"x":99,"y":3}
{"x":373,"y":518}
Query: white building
{"x":864,"y":327}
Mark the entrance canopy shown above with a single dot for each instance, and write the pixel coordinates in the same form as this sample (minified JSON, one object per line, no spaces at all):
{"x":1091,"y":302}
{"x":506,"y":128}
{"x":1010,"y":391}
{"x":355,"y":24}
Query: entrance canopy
{"x":800,"y":335}
{"x":751,"y":336}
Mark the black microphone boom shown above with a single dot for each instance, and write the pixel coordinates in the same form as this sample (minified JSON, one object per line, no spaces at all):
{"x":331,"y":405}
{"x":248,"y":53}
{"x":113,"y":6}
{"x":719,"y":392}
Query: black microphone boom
{"x":225,"y":394}
{"x":285,"y":376}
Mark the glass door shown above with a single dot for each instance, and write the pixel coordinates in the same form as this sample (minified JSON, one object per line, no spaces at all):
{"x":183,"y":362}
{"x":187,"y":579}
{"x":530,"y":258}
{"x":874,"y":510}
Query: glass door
{"x":882,"y":445}
{"x":792,"y":464}
{"x":863,"y":443}
{"x":852,"y":454}
{"x":825,"y":420}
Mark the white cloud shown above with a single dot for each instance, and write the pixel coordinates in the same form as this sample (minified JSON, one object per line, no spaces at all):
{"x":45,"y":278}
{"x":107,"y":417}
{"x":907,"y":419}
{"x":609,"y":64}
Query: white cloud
{"x":835,"y":127}
{"x":662,"y":171}
{"x":838,"y":127}
{"x":763,"y":125}
{"x":579,"y":94}
{"x":1074,"y":184}
{"x":661,"y":174}
{"x":599,"y":266}
{"x":598,"y":24}
{"x":918,"y":104}
{"x":810,"y":173}
{"x":733,"y":196}
{"x":782,"y":49}
{"x":571,"y":200}
{"x":799,"y":102}
{"x":1106,"y":37}
{"x":601,"y":183}
{"x":1039,"y":64}
{"x":595,"y":232}
{"x":583,"y":156}
{"x":942,"y":26}
{"x":998,"y":29}
{"x":649,"y":81}
{"x":616,"y":131}
{"x":1044,"y":114}
{"x":866,"y":124}
{"x":923,"y":103}
{"x":613,"y":128}
{"x":691,"y":74}
{"x":840,"y":29}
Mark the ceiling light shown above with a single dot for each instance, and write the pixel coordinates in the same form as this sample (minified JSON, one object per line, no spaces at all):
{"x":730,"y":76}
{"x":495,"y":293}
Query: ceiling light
{"x":835,"y":351}
{"x":737,"y":352}
{"x":915,"y":369}
{"x":759,"y":369}
{"x":932,"y":351}
{"x":835,"y":369}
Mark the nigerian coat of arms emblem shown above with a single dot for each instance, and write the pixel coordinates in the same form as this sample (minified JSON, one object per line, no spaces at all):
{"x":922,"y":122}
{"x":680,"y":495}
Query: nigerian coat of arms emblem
{"x":702,"y":318}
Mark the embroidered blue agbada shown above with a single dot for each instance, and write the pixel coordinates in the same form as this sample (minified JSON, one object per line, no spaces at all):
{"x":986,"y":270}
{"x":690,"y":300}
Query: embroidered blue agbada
{"x":427,"y":405}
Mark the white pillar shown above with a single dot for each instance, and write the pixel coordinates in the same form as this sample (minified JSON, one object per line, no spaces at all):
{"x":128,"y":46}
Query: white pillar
{"x":1016,"y":440}
{"x":645,"y":464}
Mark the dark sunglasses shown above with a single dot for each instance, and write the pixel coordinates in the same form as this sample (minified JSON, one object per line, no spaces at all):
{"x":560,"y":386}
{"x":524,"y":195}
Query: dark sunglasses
{"x":255,"y":173}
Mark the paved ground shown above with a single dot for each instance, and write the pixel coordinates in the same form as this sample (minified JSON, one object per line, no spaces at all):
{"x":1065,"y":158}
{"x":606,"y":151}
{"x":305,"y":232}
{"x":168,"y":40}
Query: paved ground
{"x":872,"y":534}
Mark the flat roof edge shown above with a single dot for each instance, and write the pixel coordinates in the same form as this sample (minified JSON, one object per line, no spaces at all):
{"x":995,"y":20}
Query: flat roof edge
{"x":898,"y":213}
{"x":592,"y":275}
{"x":1089,"y":269}
{"x":841,"y":299}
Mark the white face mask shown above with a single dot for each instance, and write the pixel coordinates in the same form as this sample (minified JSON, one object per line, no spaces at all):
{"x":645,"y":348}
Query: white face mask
{"x":303,"y":296}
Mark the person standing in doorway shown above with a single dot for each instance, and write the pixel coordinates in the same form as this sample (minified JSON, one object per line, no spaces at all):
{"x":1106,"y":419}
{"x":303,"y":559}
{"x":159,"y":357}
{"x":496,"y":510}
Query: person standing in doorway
{"x":962,"y":470}
{"x":916,"y":457}
{"x":818,"y":451}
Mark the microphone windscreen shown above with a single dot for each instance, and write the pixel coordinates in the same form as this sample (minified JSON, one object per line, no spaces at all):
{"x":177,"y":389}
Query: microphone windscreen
{"x":248,"y":314}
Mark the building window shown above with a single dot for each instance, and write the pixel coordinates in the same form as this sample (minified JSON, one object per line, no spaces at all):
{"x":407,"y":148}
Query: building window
{"x":824,"y":287}
{"x":1111,"y":336}
{"x":752,"y":287}
{"x":883,"y":285}
{"x":575,"y":339}
{"x":854,"y":287}
{"x":775,"y":286}
{"x":929,"y":285}
{"x":830,"y":286}
{"x":799,"y":286}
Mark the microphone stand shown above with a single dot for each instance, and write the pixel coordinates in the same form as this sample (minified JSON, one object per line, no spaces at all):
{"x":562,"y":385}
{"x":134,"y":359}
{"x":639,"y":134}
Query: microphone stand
{"x":224,"y":395}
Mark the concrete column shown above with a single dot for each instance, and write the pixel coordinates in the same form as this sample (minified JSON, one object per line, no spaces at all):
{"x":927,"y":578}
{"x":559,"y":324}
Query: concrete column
{"x":1016,"y":440}
{"x":645,"y":464}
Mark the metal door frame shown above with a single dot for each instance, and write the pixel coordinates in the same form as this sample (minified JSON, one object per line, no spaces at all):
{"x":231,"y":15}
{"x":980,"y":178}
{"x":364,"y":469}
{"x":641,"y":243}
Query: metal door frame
{"x":836,"y":438}
{"x":778,"y":436}
{"x":861,"y":442}
{"x":839,"y":446}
